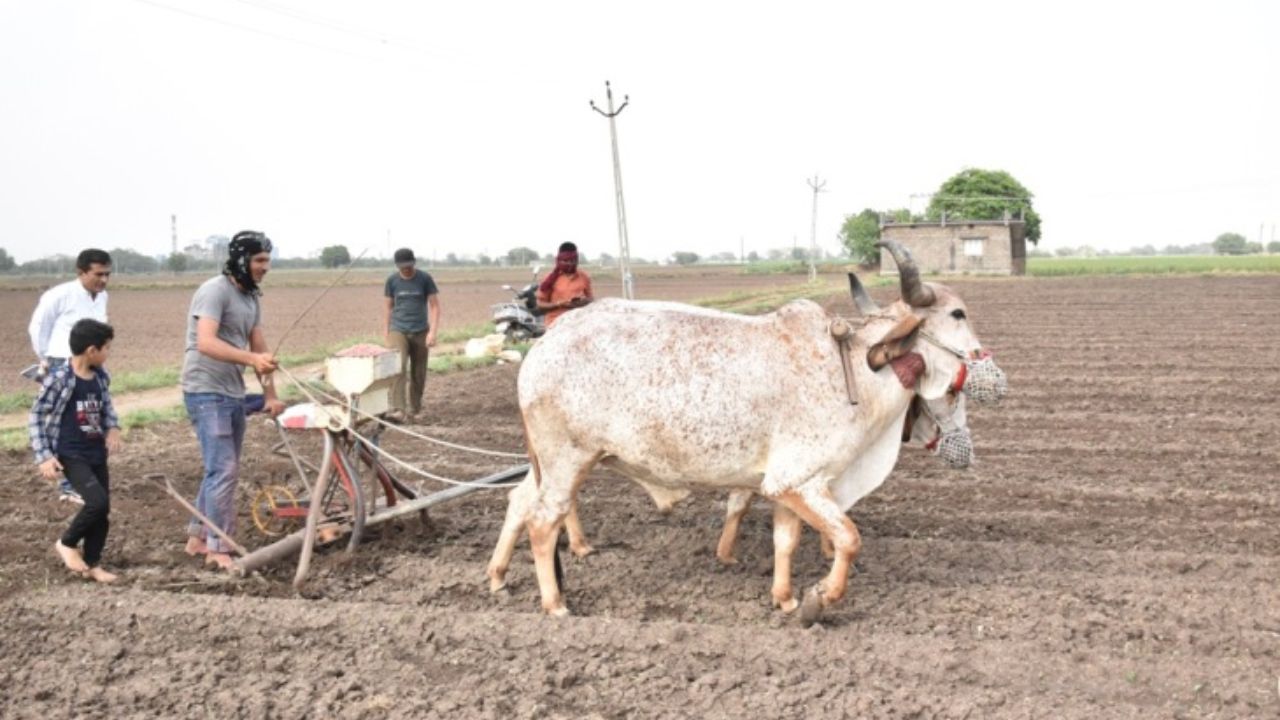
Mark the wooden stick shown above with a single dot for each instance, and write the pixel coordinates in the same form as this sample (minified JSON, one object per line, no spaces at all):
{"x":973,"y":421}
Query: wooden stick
{"x":324,"y":292}
{"x":308,"y":536}
{"x":290,"y":544}
{"x":168,"y":487}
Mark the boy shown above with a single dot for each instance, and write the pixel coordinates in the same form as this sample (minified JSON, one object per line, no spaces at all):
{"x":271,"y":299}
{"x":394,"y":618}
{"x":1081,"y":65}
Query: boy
{"x":59,"y":308}
{"x":73,"y":426}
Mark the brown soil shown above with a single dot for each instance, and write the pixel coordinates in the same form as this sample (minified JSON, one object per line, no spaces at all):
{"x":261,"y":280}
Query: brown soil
{"x":1113,"y":554}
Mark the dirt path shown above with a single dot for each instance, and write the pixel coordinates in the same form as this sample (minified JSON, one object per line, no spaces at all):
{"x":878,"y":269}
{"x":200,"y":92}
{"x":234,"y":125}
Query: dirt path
{"x":161,"y":398}
{"x":1113,"y":554}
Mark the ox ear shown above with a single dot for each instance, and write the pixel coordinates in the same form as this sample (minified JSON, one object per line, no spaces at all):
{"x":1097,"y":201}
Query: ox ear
{"x":865,"y":304}
{"x":896,"y":343}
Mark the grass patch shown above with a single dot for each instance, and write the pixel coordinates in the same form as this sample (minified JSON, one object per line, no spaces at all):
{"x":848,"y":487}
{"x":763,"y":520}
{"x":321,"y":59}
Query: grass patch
{"x":444,"y":364}
{"x":142,"y":418}
{"x":465,"y":333}
{"x":756,"y":302}
{"x":18,"y":439}
{"x":1153,"y":265}
{"x":140,"y":380}
{"x":14,"y":402}
{"x":15,"y":440}
{"x":125,"y":382}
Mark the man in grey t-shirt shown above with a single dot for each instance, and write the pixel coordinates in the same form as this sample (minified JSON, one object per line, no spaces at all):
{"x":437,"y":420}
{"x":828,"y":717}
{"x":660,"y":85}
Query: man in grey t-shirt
{"x":224,"y":334}
{"x":411,"y":296}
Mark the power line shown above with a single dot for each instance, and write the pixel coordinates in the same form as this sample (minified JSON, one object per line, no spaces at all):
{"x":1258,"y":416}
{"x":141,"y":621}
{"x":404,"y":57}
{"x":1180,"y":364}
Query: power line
{"x":317,"y":20}
{"x":248,"y":28}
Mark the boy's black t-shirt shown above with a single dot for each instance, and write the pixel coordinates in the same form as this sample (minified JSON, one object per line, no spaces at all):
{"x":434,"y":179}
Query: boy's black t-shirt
{"x":82,"y":437}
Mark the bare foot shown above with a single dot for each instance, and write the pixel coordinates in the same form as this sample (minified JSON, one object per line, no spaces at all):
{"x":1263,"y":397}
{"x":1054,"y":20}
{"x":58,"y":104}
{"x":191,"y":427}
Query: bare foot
{"x":195,"y":546}
{"x":222,"y":560}
{"x":97,"y":574}
{"x":71,"y":557}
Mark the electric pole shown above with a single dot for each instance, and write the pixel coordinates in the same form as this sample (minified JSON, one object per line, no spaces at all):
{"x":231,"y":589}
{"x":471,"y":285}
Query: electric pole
{"x":813,"y":226}
{"x":173,"y":234}
{"x":624,"y":246}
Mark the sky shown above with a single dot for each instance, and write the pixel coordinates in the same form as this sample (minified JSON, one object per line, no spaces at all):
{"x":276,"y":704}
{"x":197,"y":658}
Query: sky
{"x":465,"y":127}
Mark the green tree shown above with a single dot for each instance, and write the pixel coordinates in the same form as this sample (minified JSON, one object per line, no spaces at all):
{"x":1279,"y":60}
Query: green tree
{"x":682,"y":257}
{"x":125,"y":260}
{"x":859,"y":235}
{"x":335,"y":256}
{"x":1273,"y":246}
{"x":521,"y":255}
{"x":1230,"y":244}
{"x":177,"y":262}
{"x":976,"y":194}
{"x":6,"y":262}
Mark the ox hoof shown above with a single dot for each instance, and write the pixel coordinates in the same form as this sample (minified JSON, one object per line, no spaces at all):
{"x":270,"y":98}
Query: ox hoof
{"x":787,"y":606}
{"x":497,"y":582}
{"x":558,"y":612}
{"x":811,"y":609}
{"x":727,"y":559}
{"x":582,"y":550}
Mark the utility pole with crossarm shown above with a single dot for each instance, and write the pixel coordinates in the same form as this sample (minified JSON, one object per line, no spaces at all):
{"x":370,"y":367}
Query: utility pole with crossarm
{"x":624,"y":245}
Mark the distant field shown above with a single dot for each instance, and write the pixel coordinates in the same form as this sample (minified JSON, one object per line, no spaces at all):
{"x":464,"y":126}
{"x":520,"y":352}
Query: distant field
{"x":296,"y":278}
{"x":150,"y":319}
{"x":1153,"y":265}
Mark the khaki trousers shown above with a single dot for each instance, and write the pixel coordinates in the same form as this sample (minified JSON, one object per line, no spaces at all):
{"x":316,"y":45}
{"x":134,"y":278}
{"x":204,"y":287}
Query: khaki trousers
{"x":407,"y":393}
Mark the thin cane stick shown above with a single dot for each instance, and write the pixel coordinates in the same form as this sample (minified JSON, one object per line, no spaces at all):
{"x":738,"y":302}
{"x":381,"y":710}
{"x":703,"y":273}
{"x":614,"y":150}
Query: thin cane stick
{"x":297,"y":320}
{"x":168,"y":487}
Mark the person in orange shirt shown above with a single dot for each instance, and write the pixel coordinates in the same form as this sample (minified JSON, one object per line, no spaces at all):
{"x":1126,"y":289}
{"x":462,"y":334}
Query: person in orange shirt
{"x":566,"y":287}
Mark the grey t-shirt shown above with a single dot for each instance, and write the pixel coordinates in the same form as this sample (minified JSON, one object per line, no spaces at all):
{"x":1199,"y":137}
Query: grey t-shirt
{"x":237,"y":313}
{"x":409,"y":306}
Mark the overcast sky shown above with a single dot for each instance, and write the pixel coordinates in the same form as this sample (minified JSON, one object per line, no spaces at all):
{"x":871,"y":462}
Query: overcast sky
{"x":465,"y":127}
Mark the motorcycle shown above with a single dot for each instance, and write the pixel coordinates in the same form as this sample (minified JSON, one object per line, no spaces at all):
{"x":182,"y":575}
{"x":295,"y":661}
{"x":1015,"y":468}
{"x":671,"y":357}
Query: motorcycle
{"x":519,"y":318}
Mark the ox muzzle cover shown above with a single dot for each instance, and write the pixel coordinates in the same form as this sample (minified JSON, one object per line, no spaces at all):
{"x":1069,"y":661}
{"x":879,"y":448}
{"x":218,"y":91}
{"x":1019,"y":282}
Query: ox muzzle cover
{"x":984,"y":381}
{"x":955,"y":444}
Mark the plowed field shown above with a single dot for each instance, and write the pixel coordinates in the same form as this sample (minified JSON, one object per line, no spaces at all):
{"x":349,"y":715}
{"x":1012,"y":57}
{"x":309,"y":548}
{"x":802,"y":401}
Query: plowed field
{"x":1114,"y":553}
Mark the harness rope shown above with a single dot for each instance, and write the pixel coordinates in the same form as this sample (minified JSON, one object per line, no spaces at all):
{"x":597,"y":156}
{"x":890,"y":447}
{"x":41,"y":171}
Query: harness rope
{"x":392,"y":458}
{"x":410,"y":433}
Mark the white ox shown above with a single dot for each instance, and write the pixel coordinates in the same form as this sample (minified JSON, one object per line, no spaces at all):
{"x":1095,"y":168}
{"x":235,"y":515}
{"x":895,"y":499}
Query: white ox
{"x":923,"y":431}
{"x":677,"y":398}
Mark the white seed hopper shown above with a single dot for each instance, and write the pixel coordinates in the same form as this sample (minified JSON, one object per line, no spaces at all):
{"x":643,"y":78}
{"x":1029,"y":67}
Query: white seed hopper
{"x":365,"y":375}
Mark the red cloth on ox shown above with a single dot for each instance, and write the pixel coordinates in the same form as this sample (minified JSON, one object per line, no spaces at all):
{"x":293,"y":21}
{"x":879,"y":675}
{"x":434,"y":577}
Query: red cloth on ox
{"x":908,"y":368}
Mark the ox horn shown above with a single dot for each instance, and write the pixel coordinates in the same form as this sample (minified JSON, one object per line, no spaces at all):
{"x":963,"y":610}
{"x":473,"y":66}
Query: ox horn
{"x":865,"y":304}
{"x":913,"y":291}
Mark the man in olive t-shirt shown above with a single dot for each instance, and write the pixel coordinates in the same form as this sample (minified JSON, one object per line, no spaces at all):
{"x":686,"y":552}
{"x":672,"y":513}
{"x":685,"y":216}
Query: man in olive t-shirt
{"x":411,"y":317}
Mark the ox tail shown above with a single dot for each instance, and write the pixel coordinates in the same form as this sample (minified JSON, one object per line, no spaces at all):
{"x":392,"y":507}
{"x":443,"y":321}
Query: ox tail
{"x":559,"y":571}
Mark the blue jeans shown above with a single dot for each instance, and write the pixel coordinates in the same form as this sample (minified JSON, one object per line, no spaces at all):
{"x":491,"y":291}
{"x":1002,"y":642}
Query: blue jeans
{"x":219,"y":424}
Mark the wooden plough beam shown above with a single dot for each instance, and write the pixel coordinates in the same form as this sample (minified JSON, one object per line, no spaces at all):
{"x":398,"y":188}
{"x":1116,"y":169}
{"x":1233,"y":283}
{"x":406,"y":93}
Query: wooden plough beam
{"x":303,"y":540}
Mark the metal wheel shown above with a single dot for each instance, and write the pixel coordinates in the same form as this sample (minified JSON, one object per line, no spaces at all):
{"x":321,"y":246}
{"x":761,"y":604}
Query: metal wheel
{"x":276,"y":511}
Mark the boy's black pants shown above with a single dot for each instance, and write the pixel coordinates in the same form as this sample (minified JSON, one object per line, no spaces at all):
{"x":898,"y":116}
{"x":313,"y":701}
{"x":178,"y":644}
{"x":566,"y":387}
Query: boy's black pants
{"x":91,"y":523}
